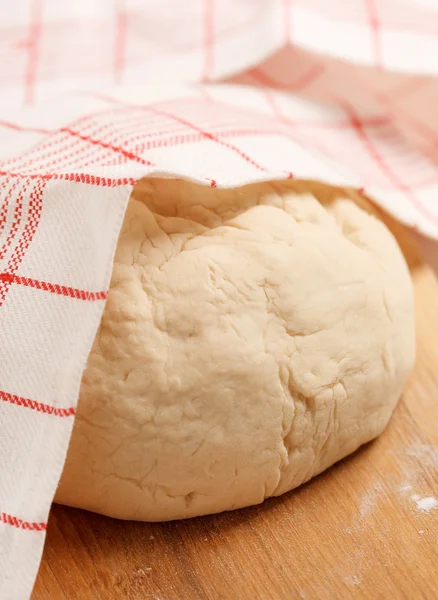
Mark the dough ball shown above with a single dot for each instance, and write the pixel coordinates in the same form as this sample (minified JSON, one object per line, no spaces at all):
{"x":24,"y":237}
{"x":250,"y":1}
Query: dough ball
{"x":251,"y":339}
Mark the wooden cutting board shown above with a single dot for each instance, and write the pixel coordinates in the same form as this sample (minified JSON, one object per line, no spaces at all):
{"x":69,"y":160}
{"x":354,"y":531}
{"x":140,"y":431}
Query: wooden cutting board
{"x":366,"y":528}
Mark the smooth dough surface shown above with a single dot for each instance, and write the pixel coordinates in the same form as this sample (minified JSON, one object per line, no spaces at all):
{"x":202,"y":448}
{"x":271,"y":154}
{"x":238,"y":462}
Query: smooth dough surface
{"x":251,"y":338}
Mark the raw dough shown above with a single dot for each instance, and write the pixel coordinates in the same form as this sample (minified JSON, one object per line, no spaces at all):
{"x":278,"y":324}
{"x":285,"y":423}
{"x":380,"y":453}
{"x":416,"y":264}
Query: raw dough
{"x":251,"y":338}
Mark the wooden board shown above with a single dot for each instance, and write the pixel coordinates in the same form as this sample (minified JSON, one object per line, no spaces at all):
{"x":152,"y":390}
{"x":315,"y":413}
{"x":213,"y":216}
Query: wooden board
{"x":356,"y":531}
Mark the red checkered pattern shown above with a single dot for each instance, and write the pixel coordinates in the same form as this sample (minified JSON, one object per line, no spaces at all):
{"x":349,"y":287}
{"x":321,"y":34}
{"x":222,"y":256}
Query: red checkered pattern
{"x":67,"y":166}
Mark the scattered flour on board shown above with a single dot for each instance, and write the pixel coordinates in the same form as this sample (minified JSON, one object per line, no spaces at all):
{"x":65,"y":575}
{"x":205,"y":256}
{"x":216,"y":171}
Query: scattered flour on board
{"x":369,"y":500}
{"x":378,"y":491}
{"x":425,"y":504}
{"x":405,"y":488}
{"x":367,"y":504}
{"x":352,"y":580}
{"x":428,"y":455}
{"x":426,"y":452}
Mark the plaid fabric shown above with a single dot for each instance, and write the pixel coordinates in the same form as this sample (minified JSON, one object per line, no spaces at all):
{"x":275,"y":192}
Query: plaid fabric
{"x":67,"y":166}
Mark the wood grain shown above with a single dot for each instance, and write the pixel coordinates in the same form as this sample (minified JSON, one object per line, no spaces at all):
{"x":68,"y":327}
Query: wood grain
{"x":353,"y":532}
